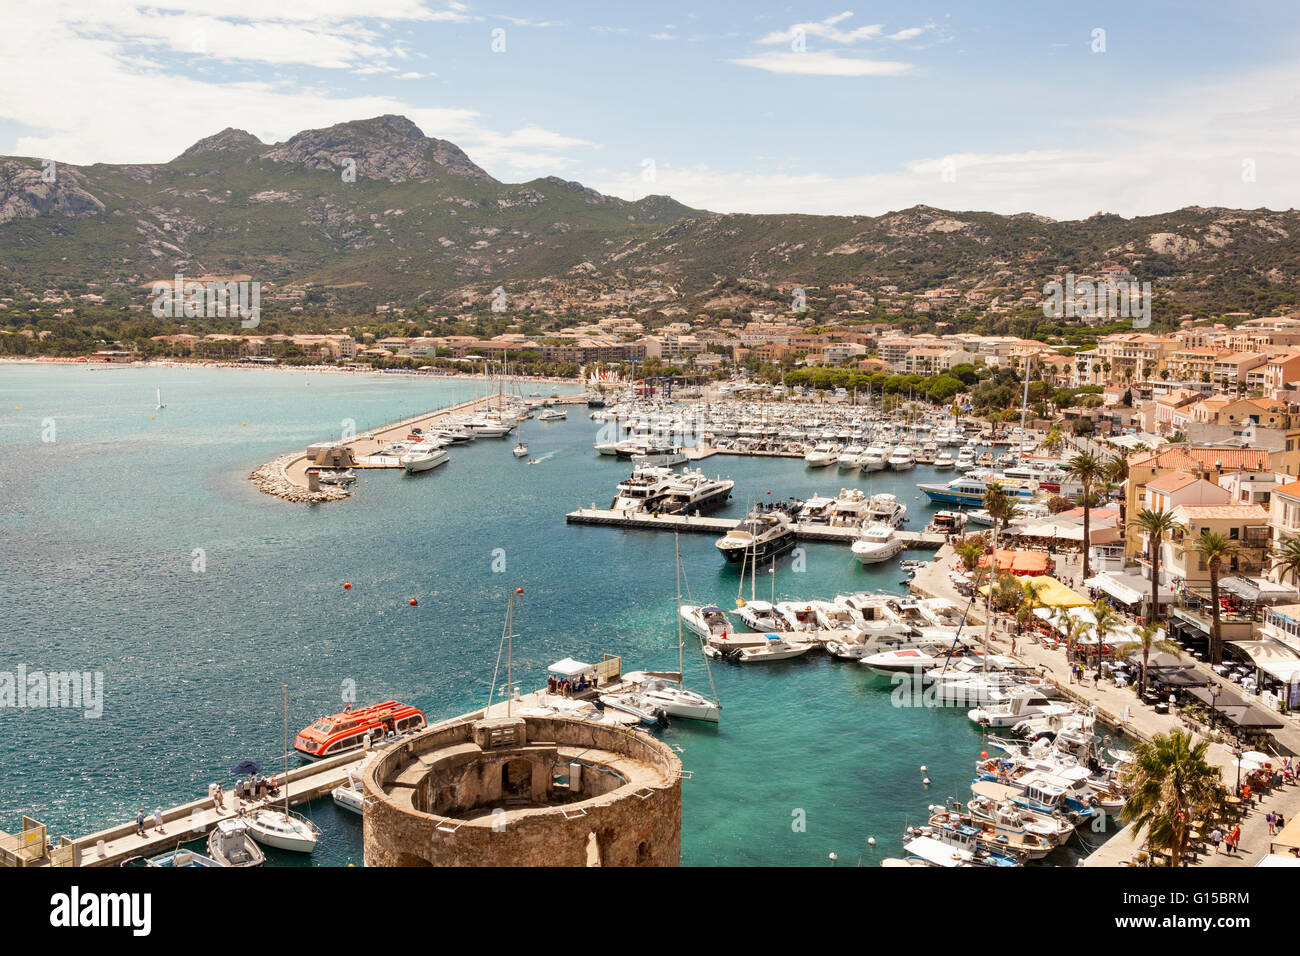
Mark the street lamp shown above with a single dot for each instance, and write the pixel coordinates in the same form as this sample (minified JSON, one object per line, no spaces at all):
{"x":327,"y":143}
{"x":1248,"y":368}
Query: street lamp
{"x":1236,"y":752}
{"x":1214,"y":700}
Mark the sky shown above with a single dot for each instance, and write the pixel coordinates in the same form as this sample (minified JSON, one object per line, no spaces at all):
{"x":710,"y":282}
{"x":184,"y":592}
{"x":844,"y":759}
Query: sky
{"x":1063,"y":109}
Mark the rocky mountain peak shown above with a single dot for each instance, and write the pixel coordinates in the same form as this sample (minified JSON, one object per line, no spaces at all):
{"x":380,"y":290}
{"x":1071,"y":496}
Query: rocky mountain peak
{"x":387,"y":147}
{"x":228,"y":139}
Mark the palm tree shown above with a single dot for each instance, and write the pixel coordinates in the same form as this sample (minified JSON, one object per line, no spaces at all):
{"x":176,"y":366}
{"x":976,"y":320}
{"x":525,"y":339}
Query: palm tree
{"x":1170,"y":783}
{"x":1087,"y":469}
{"x":1033,"y":598}
{"x":1054,"y":440}
{"x":1075,"y":628}
{"x":1148,"y":640}
{"x":1285,"y":556}
{"x":1214,"y":548}
{"x":1156,"y":524}
{"x":1107,"y":623}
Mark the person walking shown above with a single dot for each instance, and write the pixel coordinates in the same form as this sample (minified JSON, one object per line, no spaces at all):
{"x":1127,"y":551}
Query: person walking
{"x":1270,"y":817}
{"x":157,"y":820}
{"x":1236,"y":837}
{"x":1215,"y":836}
{"x":139,"y":823}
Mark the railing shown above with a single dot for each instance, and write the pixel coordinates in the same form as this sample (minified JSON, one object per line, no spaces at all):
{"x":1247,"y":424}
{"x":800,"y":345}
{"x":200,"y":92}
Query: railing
{"x":24,"y":848}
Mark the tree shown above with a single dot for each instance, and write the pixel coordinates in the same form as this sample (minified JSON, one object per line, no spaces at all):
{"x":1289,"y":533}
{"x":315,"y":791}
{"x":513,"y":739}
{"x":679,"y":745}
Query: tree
{"x":1170,"y":783}
{"x":1214,"y":548}
{"x":1087,"y":468}
{"x":1156,"y":524}
{"x":1054,"y":440}
{"x":1107,"y":623}
{"x":1149,"y":640}
{"x":1285,"y":557}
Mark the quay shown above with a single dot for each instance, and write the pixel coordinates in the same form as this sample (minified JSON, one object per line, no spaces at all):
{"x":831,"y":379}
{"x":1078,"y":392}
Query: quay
{"x":195,"y":819}
{"x":286,"y":476}
{"x":705,"y":525}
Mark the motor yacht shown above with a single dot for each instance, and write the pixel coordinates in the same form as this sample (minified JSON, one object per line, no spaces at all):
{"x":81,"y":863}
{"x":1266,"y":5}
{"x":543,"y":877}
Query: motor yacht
{"x":552,"y":415}
{"x":886,"y":509}
{"x":1021,"y":704}
{"x":902,"y":459}
{"x":816,"y":510}
{"x":644,"y":490}
{"x":822,"y":454}
{"x":708,"y":621}
{"x":775,"y":648}
{"x":762,"y":616}
{"x":944,"y":461}
{"x":761,"y":536}
{"x":851,"y":509}
{"x":914,"y":660}
{"x":665,"y":692}
{"x":425,"y":458}
{"x":873,"y":459}
{"x":878,"y":542}
{"x":692,"y":492}
{"x":848,"y":458}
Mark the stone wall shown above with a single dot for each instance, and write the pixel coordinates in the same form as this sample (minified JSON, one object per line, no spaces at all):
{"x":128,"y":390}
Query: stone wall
{"x":633,"y":825}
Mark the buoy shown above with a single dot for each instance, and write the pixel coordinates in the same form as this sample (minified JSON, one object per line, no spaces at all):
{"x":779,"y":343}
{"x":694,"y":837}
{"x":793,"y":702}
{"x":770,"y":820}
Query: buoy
{"x":245,"y":425}
{"x":833,"y":857}
{"x":347,"y":585}
{"x":984,"y":755}
{"x":924,"y":768}
{"x":414,"y":602}
{"x":926,"y":781}
{"x":519,"y":590}
{"x":871,"y":841}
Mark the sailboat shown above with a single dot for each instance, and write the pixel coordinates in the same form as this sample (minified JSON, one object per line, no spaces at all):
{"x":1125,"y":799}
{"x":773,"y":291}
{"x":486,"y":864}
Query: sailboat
{"x":283,"y":829}
{"x":665,"y":690}
{"x":160,"y":401}
{"x":521,"y":446}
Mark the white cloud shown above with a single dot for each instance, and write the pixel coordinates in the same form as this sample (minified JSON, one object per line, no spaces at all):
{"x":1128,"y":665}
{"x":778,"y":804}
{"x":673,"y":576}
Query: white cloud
{"x":827,"y":29}
{"x":822,"y":63}
{"x":1188,"y":150}
{"x":87,"y":84}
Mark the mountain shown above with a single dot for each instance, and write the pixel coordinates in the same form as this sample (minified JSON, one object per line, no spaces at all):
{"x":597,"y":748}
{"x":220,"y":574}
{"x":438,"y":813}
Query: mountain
{"x":377,"y":208}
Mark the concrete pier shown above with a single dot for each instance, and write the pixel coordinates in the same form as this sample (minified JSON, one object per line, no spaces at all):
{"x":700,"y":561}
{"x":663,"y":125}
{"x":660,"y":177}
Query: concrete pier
{"x":705,"y":525}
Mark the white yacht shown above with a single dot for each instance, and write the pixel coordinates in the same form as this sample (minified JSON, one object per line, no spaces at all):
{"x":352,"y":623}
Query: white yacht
{"x":552,"y":415}
{"x":708,"y":621}
{"x":886,"y":509}
{"x":799,"y":615}
{"x":851,"y":509}
{"x":665,"y":692}
{"x":873,"y":459}
{"x":283,"y":830}
{"x":902,"y":459}
{"x":423,"y":458}
{"x":822,"y":454}
{"x":944,"y":461}
{"x":878,"y":542}
{"x":773,"y":649}
{"x":967,"y":458}
{"x":643,"y":490}
{"x":1022,"y":704}
{"x":816,"y":510}
{"x":916,"y":660}
{"x":848,"y":458}
{"x":692,"y":492}
{"x":762,"y":616}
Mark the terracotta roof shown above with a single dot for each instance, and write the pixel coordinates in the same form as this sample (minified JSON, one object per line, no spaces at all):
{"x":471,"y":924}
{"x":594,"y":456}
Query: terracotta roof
{"x":1292,"y":489}
{"x":1230,"y":512}
{"x":1195,"y":458}
{"x":1173,"y":481}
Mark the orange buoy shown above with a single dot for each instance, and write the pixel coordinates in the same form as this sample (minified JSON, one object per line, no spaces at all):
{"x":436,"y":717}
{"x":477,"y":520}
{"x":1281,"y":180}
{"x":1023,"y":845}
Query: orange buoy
{"x":984,"y":755}
{"x":347,"y":585}
{"x":414,"y":602}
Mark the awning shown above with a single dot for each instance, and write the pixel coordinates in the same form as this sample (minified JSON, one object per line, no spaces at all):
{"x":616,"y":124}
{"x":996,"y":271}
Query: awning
{"x":1018,"y":562}
{"x":1052,"y":593}
{"x":1257,"y":590}
{"x":1266,"y":651}
{"x":1127,"y":588}
{"x":1288,"y":840}
{"x":570,"y":668}
{"x":1285,"y":671}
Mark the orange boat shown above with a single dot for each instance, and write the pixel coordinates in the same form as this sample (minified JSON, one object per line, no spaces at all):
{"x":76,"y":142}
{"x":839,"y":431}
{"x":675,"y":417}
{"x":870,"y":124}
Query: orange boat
{"x":347,"y":731}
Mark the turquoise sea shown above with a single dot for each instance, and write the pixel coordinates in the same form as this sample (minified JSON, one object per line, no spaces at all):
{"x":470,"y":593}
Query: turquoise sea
{"x":100,"y":528}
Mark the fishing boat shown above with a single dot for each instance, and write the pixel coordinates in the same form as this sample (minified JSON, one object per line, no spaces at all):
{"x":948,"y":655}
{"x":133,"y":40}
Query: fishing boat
{"x":349,"y":729}
{"x":878,"y":542}
{"x":230,"y":844}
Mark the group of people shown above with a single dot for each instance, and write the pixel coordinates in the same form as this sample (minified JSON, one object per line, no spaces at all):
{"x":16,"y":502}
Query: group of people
{"x":568,"y":686}
{"x":1231,"y":840}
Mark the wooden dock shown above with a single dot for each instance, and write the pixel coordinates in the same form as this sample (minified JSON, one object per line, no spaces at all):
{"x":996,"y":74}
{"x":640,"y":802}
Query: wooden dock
{"x":701,"y":524}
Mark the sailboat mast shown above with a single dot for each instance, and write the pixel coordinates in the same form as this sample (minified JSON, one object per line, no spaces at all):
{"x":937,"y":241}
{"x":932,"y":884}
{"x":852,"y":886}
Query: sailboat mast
{"x":1024,"y":408}
{"x":510,"y":650}
{"x":286,"y":748}
{"x":677,"y":611}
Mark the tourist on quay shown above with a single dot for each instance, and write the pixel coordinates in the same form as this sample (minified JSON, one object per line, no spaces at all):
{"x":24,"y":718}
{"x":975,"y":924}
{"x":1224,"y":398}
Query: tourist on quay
{"x":1215,"y":836}
{"x":1271,"y":819}
{"x":157,"y":820}
{"x":1280,"y":821}
{"x":139,"y":823}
